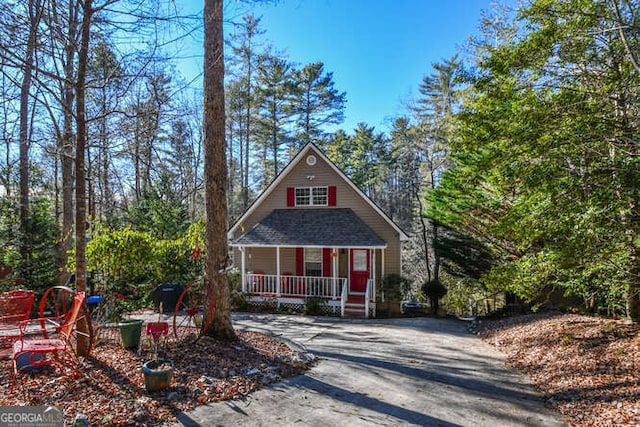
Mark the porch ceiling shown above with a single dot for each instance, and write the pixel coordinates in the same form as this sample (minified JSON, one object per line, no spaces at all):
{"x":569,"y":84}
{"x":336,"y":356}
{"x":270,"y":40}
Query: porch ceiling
{"x":324,"y":227}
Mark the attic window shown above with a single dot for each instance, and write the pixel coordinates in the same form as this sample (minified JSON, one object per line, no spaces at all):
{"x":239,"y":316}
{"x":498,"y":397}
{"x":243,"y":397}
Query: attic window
{"x":312,"y":196}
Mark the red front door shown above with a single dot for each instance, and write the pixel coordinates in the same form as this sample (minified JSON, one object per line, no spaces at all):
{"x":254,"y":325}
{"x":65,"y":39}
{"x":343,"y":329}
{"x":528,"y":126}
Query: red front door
{"x":360,"y":262}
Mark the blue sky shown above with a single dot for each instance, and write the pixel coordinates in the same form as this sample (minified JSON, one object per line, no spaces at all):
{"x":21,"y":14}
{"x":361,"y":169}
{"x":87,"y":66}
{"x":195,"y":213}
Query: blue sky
{"x":378,"y":50}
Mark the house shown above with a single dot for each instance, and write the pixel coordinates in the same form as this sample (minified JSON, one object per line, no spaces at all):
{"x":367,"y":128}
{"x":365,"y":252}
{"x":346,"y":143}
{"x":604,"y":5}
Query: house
{"x":313,"y":234}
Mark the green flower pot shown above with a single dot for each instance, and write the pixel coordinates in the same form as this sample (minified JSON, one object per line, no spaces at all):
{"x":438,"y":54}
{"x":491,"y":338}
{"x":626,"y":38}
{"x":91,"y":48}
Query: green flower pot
{"x":130,"y":332}
{"x":157,"y":374}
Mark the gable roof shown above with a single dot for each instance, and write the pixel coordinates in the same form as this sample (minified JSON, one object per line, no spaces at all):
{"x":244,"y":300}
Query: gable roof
{"x":308,"y":227}
{"x":310,"y":147}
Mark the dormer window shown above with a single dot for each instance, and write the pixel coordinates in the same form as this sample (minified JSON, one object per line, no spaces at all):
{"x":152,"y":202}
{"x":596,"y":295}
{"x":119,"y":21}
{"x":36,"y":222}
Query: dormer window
{"x":312,"y":196}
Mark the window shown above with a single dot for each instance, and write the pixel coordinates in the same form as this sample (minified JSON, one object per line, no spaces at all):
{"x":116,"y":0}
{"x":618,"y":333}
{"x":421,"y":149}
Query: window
{"x":312,"y":196}
{"x":359,"y":260}
{"x":313,"y":262}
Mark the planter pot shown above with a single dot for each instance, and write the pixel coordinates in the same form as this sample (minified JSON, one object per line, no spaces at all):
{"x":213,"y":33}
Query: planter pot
{"x":130,"y":332}
{"x":157,"y":374}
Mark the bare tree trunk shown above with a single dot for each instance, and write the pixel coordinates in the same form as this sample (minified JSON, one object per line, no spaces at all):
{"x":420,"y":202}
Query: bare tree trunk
{"x":81,"y":128}
{"x":67,"y":143}
{"x":35,"y":13}
{"x":215,"y":173}
{"x":424,"y":233}
{"x":247,"y":138}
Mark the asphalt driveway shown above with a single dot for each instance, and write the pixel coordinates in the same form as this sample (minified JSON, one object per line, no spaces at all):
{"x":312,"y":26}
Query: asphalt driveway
{"x":419,"y":371}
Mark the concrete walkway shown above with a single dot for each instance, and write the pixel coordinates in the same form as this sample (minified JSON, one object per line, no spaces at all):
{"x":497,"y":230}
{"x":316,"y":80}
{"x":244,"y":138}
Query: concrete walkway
{"x":421,"y":371}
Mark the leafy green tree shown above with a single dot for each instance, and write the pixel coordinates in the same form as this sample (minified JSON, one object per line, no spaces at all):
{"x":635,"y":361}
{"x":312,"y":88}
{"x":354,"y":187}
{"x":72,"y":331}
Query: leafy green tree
{"x":546,"y":164}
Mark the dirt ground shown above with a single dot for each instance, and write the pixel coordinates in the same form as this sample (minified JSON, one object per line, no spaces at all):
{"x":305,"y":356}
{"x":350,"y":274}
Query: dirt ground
{"x":109,"y":386}
{"x":587,"y":367}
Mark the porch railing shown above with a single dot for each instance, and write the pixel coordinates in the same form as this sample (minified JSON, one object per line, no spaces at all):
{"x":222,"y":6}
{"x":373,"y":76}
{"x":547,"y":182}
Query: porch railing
{"x":294,"y":286}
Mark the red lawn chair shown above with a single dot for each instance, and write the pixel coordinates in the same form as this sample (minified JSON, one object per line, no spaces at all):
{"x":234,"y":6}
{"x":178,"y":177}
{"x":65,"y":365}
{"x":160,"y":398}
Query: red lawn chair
{"x":46,"y":350}
{"x":15,"y":306}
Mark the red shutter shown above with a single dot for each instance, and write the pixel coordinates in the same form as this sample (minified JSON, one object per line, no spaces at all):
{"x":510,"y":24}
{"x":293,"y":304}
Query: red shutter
{"x":332,"y":195}
{"x":326,"y":262}
{"x":299,"y":261}
{"x":291,"y":196}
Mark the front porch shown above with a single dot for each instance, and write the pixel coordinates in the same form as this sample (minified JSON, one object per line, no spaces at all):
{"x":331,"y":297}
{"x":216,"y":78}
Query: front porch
{"x":295,"y":292}
{"x":305,"y":257}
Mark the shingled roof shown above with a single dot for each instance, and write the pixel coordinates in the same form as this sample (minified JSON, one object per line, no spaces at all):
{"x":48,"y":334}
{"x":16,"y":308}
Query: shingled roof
{"x":326,"y":227}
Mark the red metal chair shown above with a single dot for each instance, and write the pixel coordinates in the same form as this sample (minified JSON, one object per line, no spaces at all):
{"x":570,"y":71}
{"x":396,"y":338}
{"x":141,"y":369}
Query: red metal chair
{"x":15,"y":306}
{"x":45,"y":349}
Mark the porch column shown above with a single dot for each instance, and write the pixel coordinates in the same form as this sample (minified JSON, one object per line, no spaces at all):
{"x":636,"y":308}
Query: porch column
{"x":243,"y":270}
{"x":382,"y":252}
{"x":334,"y":273}
{"x":373,"y":274}
{"x":278,"y":273}
{"x":349,"y":270}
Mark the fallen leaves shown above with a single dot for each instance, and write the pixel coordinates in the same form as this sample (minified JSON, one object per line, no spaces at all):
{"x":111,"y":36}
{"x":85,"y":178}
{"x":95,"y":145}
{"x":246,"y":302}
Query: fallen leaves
{"x":587,"y":367}
{"x":110,"y":388}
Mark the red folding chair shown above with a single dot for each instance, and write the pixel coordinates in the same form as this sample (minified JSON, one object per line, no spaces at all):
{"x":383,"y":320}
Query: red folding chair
{"x":52,"y":344}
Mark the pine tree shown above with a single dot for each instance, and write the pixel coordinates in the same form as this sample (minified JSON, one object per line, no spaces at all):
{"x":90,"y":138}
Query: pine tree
{"x":318,"y":102}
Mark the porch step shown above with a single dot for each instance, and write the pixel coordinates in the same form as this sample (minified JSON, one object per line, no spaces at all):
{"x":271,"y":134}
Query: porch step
{"x":355,"y":309}
{"x":357,"y":314}
{"x":355,"y":299}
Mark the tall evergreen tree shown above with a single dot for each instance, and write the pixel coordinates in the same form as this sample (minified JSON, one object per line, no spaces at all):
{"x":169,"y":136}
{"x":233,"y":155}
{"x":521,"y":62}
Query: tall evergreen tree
{"x":275,"y":112}
{"x":106,"y":75}
{"x":434,"y":113}
{"x":318,"y":102}
{"x":404,"y":173}
{"x":246,"y":48}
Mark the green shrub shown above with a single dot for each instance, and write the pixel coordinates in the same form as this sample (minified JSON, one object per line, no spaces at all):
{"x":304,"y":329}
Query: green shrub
{"x":315,"y":306}
{"x":134,"y":263}
{"x":434,"y":290}
{"x":395,"y":286}
{"x":238,"y":301}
